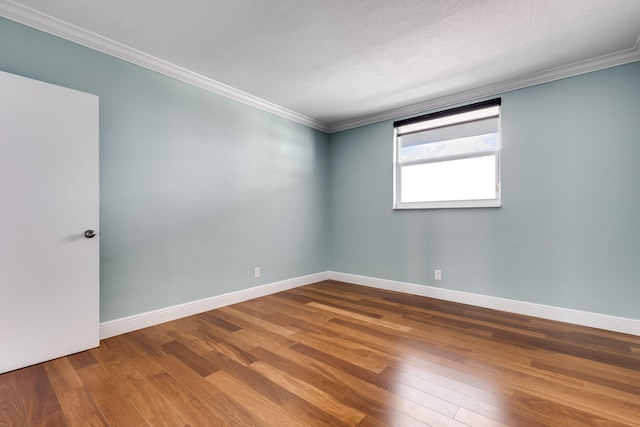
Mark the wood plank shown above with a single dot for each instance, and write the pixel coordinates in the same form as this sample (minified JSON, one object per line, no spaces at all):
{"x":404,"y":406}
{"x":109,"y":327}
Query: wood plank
{"x":156,"y":409}
{"x":338,"y":296}
{"x":355,"y":354}
{"x":474,"y":419}
{"x":350,"y":390}
{"x":196,"y":342}
{"x":420,"y":347}
{"x":54,"y":419}
{"x":312,"y":414}
{"x":294,"y":363}
{"x":62,"y":375}
{"x":80,"y":409}
{"x":210,"y":317}
{"x":354,"y":369}
{"x":559,"y":389}
{"x":565,"y":347}
{"x":81,"y":360}
{"x":36,"y":392}
{"x":146,"y":399}
{"x":625,"y":384}
{"x":260,"y":338}
{"x":268,"y":412}
{"x":388,"y":405}
{"x":253,"y":379}
{"x":361,"y":317}
{"x":341,"y":355}
{"x":194,"y":361}
{"x":110,"y":398}
{"x":316,"y":397}
{"x":157,"y":334}
{"x":192,"y":410}
{"x":232,"y":349}
{"x":256,"y":321}
{"x":12,"y":411}
{"x":232,"y":412}
{"x":554,"y":413}
{"x":190,"y":379}
{"x":339,"y":303}
{"x":213,"y":335}
{"x":465,"y":396}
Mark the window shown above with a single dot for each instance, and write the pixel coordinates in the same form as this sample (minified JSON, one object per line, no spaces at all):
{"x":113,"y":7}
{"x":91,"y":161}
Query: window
{"x":449,"y":159}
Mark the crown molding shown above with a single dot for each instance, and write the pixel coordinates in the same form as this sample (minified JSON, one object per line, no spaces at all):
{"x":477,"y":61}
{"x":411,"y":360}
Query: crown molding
{"x":621,"y":57}
{"x":33,"y":18}
{"x":40,"y":21}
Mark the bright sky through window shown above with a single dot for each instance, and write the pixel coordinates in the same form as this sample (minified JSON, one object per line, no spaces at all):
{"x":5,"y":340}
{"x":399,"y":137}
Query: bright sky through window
{"x":449,"y":159}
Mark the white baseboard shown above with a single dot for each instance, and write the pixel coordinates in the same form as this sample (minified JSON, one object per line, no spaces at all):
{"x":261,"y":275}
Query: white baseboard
{"x":155,"y":317}
{"x":576,"y":317}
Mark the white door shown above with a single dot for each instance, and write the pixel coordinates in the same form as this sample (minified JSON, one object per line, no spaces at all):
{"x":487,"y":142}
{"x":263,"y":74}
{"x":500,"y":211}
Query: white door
{"x":49,"y":270}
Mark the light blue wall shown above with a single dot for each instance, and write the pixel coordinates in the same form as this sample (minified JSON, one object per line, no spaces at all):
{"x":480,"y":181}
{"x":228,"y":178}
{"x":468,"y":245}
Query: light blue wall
{"x":196,"y":189}
{"x":568,"y":233}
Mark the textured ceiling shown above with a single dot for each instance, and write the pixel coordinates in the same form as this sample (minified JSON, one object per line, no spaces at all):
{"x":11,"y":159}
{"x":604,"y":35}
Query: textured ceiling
{"x":349,"y":61}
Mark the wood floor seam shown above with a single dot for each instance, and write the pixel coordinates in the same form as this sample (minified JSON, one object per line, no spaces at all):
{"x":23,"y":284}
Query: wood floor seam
{"x":339,"y":355}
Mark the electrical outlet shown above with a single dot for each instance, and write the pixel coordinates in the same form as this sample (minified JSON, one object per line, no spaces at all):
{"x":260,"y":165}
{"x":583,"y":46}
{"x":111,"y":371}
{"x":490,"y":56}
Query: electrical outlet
{"x":256,"y":272}
{"x":438,"y":275}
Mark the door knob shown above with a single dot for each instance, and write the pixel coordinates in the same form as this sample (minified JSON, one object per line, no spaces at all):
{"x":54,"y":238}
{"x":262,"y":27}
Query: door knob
{"x":89,"y":234}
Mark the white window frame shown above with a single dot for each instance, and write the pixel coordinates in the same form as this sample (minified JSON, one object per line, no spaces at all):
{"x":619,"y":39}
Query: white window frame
{"x":425,"y":122}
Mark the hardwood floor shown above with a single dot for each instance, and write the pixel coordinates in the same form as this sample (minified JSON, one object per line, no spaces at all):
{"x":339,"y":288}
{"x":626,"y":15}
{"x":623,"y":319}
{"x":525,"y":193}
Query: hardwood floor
{"x":334,"y":354}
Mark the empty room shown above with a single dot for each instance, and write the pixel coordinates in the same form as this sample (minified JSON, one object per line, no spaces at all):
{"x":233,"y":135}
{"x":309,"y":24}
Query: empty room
{"x":320,"y":213}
